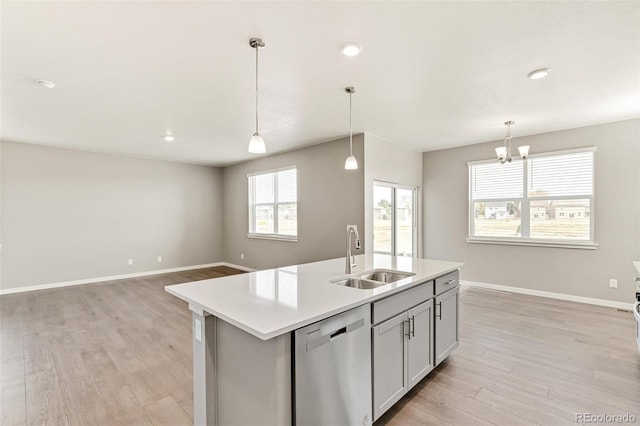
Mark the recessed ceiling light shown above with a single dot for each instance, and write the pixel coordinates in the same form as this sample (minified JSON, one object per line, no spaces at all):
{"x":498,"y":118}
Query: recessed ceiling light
{"x":537,"y":74}
{"x":46,"y":84}
{"x":169,"y":137}
{"x":351,"y":49}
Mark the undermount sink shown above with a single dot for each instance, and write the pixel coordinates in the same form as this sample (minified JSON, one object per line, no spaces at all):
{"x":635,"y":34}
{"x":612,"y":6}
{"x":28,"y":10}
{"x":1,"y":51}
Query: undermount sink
{"x":386,"y":276}
{"x":372,"y":279}
{"x":358,"y":283}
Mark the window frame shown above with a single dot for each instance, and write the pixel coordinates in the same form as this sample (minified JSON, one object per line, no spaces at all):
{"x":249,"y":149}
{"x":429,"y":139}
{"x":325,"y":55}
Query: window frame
{"x":525,"y":201}
{"x":252,"y":207}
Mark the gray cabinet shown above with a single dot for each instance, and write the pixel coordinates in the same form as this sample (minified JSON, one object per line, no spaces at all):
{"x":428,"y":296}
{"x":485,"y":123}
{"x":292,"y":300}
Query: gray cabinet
{"x":420,"y":342}
{"x":389,"y":360}
{"x":402,"y":355}
{"x":412,"y":333}
{"x":447,"y":323}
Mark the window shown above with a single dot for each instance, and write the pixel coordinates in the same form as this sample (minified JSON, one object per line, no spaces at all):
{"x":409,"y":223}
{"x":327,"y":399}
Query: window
{"x":273,"y":204}
{"x":394,"y":224}
{"x":546,"y":200}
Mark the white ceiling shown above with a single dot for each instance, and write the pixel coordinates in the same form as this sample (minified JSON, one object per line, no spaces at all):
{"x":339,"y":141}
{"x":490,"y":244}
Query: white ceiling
{"x":432,"y":74}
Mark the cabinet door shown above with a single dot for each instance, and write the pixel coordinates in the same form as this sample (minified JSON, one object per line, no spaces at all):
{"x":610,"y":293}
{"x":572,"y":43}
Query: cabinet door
{"x":447,"y":323}
{"x":389,"y":360}
{"x":420,"y":342}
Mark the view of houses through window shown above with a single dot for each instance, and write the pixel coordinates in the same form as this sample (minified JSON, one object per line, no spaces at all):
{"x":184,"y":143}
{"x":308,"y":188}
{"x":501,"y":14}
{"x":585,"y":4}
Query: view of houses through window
{"x":546,"y":197}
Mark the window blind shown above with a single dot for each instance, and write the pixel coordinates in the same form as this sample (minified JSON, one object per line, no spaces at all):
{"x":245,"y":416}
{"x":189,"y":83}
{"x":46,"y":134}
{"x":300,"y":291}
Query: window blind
{"x":263,"y":188}
{"x":560,"y":175}
{"x":494,"y":180}
{"x":287,"y":187}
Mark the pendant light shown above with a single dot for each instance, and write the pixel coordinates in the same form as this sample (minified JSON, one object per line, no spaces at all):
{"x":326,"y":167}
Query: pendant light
{"x":504,"y":152}
{"x":256,"y":143}
{"x":351,"y":163}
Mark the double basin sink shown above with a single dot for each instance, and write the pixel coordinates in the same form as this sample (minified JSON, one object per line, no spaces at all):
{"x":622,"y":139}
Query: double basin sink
{"x":372,"y":279}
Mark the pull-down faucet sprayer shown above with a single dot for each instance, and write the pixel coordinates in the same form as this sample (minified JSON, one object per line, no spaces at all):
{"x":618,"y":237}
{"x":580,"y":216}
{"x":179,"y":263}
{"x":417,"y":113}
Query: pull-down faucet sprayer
{"x":351,"y":260}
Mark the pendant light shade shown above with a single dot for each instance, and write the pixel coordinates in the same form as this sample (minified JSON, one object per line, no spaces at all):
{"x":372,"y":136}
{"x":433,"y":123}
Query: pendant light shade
{"x":351,"y":163}
{"x":501,"y":152}
{"x":256,"y":143}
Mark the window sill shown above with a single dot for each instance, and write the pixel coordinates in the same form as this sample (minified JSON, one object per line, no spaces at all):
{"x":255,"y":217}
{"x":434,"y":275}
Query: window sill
{"x":587,"y":245}
{"x":274,"y":237}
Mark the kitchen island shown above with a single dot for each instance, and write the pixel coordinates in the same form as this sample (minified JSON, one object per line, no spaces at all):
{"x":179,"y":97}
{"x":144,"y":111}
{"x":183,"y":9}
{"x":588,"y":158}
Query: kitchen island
{"x":243,"y":326}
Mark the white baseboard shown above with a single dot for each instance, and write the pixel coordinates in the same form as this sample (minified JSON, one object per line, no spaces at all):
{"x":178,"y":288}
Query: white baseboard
{"x":550,"y":295}
{"x":242,"y":268}
{"x":118,"y":277}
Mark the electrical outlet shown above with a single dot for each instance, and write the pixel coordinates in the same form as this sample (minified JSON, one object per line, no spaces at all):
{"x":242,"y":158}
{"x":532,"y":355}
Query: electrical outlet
{"x":241,"y":256}
{"x":159,"y":259}
{"x":130,"y":262}
{"x":198,"y":331}
{"x":613,"y":283}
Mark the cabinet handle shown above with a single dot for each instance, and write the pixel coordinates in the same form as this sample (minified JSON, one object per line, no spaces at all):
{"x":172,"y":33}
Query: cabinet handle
{"x":407,"y":328}
{"x":449,"y":282}
{"x":439,"y":313}
{"x":413,"y":326}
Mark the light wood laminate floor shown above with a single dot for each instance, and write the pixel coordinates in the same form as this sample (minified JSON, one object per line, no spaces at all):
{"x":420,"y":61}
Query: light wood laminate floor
{"x":526,"y":360}
{"x":120,"y":353}
{"x":110,"y":353}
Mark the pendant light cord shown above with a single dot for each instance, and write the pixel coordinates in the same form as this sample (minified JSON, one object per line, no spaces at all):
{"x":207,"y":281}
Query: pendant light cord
{"x":257,"y":89}
{"x":350,"y":128}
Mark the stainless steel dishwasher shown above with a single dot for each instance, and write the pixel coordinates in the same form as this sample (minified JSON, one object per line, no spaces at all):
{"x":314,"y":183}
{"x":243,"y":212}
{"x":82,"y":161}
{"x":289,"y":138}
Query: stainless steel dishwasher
{"x":332,"y":370}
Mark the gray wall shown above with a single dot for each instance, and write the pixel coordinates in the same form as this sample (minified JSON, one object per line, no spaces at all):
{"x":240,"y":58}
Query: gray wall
{"x":69,"y":215}
{"x":329,"y":198}
{"x":570,"y":271}
{"x":385,"y":161}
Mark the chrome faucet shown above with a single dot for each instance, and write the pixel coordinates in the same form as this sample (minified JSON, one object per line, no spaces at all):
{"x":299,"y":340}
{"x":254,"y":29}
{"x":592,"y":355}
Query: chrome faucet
{"x":351,"y":259}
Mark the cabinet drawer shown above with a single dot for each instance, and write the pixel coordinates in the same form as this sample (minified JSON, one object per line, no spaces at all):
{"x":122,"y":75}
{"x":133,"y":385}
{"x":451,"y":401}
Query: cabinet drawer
{"x":393,"y":305}
{"x":447,"y":282}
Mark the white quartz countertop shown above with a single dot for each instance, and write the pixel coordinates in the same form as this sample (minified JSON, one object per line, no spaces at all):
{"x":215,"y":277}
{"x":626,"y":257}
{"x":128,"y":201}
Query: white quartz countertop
{"x":272,"y":302}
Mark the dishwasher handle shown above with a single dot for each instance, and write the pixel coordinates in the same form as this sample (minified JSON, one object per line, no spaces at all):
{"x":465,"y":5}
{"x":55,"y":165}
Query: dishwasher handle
{"x":338,"y":333}
{"x":334,"y":334}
